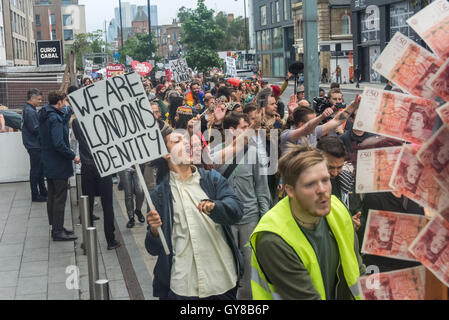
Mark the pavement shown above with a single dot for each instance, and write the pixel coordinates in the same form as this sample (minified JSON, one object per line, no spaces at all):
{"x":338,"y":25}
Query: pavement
{"x":33,"y":267}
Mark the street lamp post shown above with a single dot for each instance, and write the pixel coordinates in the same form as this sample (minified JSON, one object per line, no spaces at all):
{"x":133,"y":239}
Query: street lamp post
{"x":246,"y":32}
{"x":149,"y":23}
{"x":121,"y":21}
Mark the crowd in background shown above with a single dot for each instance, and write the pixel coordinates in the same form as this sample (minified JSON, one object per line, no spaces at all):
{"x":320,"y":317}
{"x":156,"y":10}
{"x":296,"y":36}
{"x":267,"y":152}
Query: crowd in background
{"x":206,"y":261}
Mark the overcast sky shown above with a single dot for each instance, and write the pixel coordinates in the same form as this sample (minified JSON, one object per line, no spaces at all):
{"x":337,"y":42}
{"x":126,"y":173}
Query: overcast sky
{"x":97,"y":11}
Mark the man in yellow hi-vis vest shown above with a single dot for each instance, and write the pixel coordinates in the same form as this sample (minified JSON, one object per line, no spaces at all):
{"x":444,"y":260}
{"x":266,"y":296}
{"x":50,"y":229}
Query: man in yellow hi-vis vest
{"x":306,"y":247}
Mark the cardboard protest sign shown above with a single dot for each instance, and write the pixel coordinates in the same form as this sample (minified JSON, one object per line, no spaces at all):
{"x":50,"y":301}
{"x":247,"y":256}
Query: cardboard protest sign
{"x":180,"y":70}
{"x":117,"y":120}
{"x":432,"y":25}
{"x":374,"y":169}
{"x":389,"y":234}
{"x":396,"y":115}
{"x":142,"y":68}
{"x":113,"y":70}
{"x":230,"y":66}
{"x":409,"y":66}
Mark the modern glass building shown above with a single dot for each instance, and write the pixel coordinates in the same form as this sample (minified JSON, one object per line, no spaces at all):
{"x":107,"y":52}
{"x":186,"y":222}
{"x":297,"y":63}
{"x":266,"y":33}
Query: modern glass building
{"x":274,"y":30}
{"x":374,"y":23}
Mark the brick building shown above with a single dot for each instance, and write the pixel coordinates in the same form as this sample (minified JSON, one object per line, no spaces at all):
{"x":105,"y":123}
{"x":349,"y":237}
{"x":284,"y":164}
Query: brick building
{"x":18,"y":32}
{"x":67,"y":19}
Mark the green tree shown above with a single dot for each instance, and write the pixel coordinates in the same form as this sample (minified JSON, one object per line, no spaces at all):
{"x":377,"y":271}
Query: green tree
{"x":201,"y":37}
{"x":234,"y":31}
{"x":138,"y":47}
{"x":91,"y":42}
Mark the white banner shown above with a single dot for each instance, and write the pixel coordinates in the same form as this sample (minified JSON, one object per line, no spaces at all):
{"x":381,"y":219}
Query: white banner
{"x":230,"y":66}
{"x":180,"y":70}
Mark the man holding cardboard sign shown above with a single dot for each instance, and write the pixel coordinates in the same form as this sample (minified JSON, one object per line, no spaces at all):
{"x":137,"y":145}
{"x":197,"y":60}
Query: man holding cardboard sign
{"x":116,"y":118}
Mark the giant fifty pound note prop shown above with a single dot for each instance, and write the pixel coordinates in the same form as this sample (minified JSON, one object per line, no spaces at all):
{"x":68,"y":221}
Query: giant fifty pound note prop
{"x":121,"y":130}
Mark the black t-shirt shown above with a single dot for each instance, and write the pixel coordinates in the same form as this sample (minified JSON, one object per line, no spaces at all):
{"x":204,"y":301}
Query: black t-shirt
{"x":388,"y":202}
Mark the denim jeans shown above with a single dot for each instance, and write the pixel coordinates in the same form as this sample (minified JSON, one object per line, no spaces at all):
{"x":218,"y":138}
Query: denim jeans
{"x":131,"y":187}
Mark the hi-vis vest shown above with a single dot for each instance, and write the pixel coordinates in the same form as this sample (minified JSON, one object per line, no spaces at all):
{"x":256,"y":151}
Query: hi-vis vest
{"x":279,"y":220}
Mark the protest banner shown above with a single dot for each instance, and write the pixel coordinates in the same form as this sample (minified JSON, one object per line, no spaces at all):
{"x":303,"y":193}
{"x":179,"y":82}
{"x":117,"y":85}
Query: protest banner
{"x":374,"y":169}
{"x":142,"y":68}
{"x":417,"y":182}
{"x":396,"y":115}
{"x":409,"y":66}
{"x":432,"y":25}
{"x":443,"y":112}
{"x":168,"y":75}
{"x":389,"y":234}
{"x":435,"y":155}
{"x":440,"y":82}
{"x":431,"y":248}
{"x":113,"y":70}
{"x":120,"y":128}
{"x":230,"y":67}
{"x":404,"y":284}
{"x":180,"y":70}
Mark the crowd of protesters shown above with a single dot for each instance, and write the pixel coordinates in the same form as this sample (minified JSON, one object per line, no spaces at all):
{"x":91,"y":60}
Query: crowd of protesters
{"x":235,"y":227}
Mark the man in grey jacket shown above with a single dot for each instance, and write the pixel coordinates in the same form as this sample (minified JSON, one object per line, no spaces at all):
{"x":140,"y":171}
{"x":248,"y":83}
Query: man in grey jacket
{"x":245,"y":176}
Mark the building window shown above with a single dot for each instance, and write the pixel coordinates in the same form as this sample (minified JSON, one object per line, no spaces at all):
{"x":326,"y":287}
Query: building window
{"x":285,"y":10}
{"x":346,"y":24}
{"x":273,"y":13}
{"x":2,"y":37}
{"x":68,"y":35}
{"x":278,"y":65}
{"x":370,"y":30}
{"x":66,"y":2}
{"x":263,"y":15}
{"x":52,"y":18}
{"x":399,"y":13}
{"x":38,"y":35}
{"x":266,"y":40}
{"x":53,"y":34}
{"x":299,"y":28}
{"x":277,"y":38}
{"x":278,"y":12}
{"x":259,"y":40}
{"x":67,"y":20}
{"x":38,"y":20}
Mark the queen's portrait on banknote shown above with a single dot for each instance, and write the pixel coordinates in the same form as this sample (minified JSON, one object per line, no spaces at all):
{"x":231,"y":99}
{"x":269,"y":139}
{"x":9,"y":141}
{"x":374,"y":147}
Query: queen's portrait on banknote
{"x":431,"y":248}
{"x":419,"y":122}
{"x":435,"y":154}
{"x":409,"y":174}
{"x":380,"y":234}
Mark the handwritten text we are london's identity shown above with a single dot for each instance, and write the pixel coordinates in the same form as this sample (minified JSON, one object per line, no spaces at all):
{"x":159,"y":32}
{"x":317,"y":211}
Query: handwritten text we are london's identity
{"x":116,"y":118}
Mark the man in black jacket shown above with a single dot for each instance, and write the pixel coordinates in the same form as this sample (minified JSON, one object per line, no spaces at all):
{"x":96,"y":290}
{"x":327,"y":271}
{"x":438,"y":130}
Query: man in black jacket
{"x":57,"y":158}
{"x":30,"y":138}
{"x":93,"y":184}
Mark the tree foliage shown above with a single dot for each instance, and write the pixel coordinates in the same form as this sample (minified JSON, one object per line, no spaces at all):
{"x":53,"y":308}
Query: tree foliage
{"x":234,"y":31}
{"x":91,"y":42}
{"x":201,"y":37}
{"x":138,"y":47}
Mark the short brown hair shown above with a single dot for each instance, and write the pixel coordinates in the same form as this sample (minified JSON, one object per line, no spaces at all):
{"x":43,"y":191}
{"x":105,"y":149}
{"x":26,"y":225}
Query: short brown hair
{"x":55,"y":96}
{"x":296,"y":160}
{"x":334,"y":91}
